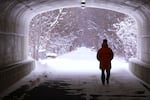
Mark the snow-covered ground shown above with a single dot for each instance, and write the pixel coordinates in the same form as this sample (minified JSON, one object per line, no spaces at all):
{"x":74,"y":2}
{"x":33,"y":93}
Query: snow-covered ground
{"x":81,"y":61}
{"x":80,"y":68}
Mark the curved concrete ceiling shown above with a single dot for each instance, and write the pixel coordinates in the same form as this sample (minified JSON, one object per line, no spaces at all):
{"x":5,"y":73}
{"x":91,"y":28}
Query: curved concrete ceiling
{"x":17,"y":14}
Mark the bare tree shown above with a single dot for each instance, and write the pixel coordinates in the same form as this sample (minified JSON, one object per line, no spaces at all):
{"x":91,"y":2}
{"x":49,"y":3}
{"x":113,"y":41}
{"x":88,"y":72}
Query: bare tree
{"x":40,"y":28}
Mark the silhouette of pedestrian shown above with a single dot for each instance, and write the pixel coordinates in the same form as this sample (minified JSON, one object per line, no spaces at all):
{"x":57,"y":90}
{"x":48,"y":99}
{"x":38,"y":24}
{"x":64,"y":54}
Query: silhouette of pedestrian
{"x":104,"y":56}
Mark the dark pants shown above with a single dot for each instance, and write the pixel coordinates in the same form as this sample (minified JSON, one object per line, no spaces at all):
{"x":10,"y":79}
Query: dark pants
{"x":103,"y":76}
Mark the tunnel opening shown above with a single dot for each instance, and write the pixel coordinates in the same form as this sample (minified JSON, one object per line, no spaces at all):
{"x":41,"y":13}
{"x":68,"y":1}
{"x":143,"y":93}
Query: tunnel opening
{"x":55,"y":33}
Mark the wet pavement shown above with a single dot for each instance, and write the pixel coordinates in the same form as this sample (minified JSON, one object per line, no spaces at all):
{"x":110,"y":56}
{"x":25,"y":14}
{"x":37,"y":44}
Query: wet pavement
{"x":64,"y":86}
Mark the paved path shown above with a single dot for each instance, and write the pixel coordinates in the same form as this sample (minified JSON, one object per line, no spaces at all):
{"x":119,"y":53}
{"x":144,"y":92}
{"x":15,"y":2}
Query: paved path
{"x":65,"y":86}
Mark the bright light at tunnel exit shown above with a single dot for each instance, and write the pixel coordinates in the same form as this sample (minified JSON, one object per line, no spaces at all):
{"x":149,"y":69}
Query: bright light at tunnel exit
{"x":81,"y":61}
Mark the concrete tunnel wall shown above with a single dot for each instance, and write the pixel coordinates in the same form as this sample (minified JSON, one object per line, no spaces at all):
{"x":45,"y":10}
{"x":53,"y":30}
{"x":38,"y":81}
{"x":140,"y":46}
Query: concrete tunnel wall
{"x":15,"y":18}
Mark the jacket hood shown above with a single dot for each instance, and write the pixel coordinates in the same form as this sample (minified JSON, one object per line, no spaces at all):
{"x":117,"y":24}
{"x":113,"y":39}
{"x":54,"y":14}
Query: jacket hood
{"x":104,"y":45}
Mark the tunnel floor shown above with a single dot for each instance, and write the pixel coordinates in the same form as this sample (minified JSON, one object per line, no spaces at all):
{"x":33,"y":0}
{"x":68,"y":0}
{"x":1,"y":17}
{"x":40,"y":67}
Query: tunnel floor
{"x":76,"y":76}
{"x":62,"y":86}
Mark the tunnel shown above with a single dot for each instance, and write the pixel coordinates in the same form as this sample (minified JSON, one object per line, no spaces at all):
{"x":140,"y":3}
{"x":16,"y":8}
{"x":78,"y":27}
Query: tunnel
{"x":16,"y":16}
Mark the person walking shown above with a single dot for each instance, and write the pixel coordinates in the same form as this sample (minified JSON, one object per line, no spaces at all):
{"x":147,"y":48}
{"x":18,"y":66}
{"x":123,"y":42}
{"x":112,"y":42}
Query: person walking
{"x":104,"y":56}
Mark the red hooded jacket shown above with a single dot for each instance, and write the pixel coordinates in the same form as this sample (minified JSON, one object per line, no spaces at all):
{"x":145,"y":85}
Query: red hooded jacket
{"x":105,"y":55}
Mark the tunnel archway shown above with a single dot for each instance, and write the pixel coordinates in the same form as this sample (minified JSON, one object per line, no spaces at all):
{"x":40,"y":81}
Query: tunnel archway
{"x":15,"y":19}
{"x":76,"y":27}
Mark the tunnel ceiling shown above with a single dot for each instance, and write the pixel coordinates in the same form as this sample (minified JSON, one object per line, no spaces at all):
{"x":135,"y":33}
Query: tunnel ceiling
{"x":16,"y":15}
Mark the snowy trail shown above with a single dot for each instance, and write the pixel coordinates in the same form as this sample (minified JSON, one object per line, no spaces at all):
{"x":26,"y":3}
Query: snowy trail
{"x":77,"y":74}
{"x":81,"y":61}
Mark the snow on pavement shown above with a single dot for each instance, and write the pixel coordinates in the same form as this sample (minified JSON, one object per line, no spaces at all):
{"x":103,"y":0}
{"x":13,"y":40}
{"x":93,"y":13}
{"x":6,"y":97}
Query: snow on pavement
{"x":80,"y":69}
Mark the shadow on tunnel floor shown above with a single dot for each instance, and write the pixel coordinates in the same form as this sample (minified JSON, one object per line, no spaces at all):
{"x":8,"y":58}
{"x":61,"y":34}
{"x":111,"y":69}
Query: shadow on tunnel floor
{"x":51,"y":90}
{"x":60,"y":90}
